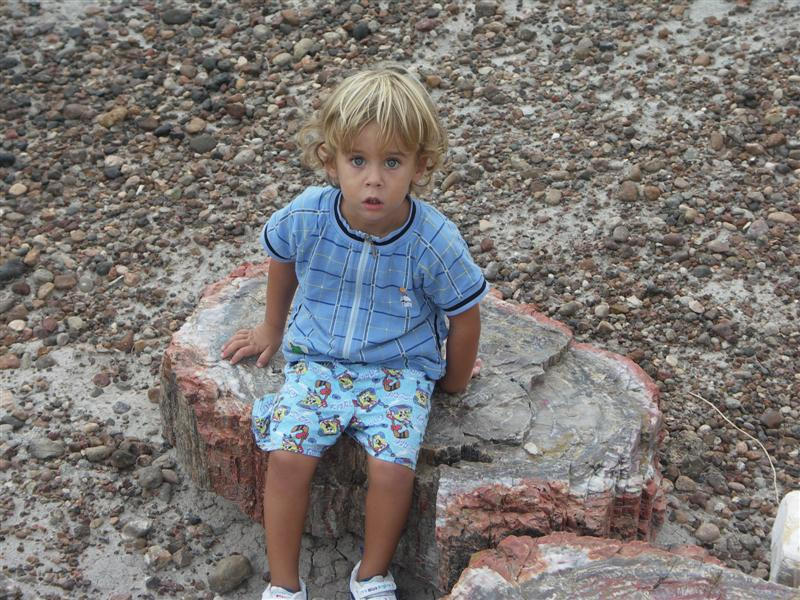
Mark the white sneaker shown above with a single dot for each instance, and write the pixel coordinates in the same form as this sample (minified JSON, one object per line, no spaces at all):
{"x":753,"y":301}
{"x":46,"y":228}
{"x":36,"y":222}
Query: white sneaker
{"x":374,"y":588}
{"x":278,"y":593}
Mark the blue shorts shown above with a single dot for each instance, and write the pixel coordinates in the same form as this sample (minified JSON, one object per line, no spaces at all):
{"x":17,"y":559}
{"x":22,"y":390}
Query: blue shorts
{"x":384,"y":410}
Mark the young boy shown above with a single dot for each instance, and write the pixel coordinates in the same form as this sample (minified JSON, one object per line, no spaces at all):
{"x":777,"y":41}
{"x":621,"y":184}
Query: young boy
{"x":373,"y":272}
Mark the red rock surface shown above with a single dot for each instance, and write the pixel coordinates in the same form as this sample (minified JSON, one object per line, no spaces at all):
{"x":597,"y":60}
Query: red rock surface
{"x":564,"y":565}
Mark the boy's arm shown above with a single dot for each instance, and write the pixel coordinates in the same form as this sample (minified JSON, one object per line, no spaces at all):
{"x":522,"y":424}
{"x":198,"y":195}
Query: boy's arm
{"x":462,"y":349}
{"x":265,"y":339}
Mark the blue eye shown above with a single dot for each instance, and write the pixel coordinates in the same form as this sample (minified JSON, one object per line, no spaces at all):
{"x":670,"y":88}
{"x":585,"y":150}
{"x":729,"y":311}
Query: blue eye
{"x":357,"y":161}
{"x":392,"y":163}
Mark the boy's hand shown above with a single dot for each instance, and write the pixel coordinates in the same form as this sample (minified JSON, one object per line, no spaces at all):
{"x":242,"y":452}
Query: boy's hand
{"x":446,"y":387}
{"x":263,"y":340}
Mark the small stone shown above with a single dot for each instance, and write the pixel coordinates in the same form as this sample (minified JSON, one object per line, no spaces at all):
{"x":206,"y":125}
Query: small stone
{"x":602,"y":310}
{"x":771,"y":418}
{"x":147,"y":123}
{"x":202,"y":143}
{"x":101,"y":379}
{"x":6,"y":159}
{"x":182,"y":558}
{"x":229,"y":573}
{"x":685,"y":484}
{"x":282,"y":59}
{"x":568,"y":309}
{"x":9,"y":361}
{"x":176,"y":16}
{"x":707,"y":533}
{"x":195,"y":125}
{"x":673,"y":239}
{"x":702,"y":60}
{"x":17,"y":325}
{"x":112,"y":117}
{"x":301,"y":48}
{"x":137,"y":528}
{"x":121,"y":459}
{"x":628,"y":191}
{"x":75,"y":323}
{"x":696,"y":307}
{"x":97,"y":453}
{"x":11,"y":269}
{"x":237,"y":110}
{"x":361,"y":30}
{"x":65,"y":282}
{"x":717,"y":141}
{"x":452,"y":179}
{"x":552,"y":197}
{"x":245,"y":157}
{"x":46,"y":449}
{"x":532,"y":449}
{"x":782,"y":217}
{"x":157,"y":557}
{"x":759,"y":229}
{"x":150,"y":477}
{"x":17,"y":189}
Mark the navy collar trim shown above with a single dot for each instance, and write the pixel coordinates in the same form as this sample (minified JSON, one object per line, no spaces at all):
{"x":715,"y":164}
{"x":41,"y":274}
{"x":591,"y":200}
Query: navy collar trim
{"x":378,"y":242}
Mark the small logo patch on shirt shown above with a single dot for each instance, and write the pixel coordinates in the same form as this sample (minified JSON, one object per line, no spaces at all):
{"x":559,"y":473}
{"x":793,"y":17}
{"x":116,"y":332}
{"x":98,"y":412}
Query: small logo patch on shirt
{"x":404,"y":299}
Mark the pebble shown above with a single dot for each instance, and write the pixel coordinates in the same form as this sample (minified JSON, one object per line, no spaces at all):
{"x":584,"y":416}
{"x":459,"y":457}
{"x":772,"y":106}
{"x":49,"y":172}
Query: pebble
{"x":707,"y":533}
{"x":75,"y":323}
{"x":195,"y":125}
{"x":782,"y":217}
{"x":771,"y":418}
{"x":12,"y":269}
{"x":46,"y":449}
{"x":202,"y":144}
{"x":229,"y":573}
{"x":176,"y":16}
{"x":17,"y":189}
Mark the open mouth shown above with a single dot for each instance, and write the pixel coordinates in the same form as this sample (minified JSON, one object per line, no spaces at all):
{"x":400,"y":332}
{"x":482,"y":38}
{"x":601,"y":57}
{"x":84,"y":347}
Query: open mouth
{"x":372,"y":201}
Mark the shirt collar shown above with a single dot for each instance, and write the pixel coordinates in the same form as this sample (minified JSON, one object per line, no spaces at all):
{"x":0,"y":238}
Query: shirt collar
{"x":361,"y":236}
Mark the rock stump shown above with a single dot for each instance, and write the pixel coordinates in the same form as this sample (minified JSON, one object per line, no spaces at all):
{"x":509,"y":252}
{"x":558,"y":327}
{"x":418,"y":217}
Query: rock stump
{"x":563,"y":565}
{"x":552,"y":436}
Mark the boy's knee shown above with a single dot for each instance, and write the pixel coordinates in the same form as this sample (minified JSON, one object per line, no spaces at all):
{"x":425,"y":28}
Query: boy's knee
{"x":291,"y":467}
{"x":390,"y":475}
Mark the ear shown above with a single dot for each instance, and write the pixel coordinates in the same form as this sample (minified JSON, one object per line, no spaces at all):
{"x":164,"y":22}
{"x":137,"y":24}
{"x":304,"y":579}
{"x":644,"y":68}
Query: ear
{"x":422,"y":168}
{"x":328,"y":161}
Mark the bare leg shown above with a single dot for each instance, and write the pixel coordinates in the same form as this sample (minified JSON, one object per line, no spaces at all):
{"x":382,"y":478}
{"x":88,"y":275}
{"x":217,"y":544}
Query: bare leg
{"x":286,"y":492}
{"x":388,"y":502}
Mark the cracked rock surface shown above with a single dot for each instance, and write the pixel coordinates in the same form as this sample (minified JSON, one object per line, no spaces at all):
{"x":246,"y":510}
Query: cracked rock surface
{"x":564,"y":565}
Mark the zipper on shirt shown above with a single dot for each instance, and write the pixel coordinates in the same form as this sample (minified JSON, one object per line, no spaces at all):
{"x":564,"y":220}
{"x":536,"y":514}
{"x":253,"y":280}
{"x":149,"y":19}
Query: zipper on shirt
{"x":351,"y":323}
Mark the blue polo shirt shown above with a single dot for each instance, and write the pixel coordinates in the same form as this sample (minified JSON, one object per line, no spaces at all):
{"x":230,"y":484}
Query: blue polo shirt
{"x":362,"y":299}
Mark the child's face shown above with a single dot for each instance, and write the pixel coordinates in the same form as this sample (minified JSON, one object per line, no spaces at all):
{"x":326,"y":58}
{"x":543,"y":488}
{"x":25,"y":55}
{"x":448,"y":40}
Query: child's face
{"x":374,"y":182}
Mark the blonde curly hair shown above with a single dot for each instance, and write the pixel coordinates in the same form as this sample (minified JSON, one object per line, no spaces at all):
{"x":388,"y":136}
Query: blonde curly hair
{"x":389,"y":97}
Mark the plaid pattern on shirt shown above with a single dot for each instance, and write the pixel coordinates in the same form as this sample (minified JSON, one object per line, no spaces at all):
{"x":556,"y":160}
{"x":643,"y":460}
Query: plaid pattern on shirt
{"x":362,"y":299}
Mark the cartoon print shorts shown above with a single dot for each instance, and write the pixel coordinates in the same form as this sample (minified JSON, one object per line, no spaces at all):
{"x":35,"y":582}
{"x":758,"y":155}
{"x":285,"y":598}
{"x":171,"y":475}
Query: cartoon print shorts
{"x":384,"y":410}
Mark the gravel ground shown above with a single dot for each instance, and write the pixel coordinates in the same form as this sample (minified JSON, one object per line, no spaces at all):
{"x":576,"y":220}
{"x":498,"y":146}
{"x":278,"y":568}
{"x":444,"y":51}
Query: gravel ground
{"x":629,"y":167}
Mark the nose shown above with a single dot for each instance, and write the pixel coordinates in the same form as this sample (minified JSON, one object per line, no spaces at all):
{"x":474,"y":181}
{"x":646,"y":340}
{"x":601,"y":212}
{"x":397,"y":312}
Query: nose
{"x":374,"y":176}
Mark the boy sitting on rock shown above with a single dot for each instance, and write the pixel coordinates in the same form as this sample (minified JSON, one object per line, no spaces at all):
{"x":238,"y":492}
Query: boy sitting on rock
{"x":373,"y":273}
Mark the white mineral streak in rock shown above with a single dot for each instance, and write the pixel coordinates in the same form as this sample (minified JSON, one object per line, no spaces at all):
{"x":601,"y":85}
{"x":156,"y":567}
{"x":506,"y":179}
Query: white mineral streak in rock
{"x":785,"y":560}
{"x":560,"y":558}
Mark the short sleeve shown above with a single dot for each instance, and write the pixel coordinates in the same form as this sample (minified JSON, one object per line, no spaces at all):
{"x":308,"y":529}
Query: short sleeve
{"x":278,"y":235}
{"x":452,"y":279}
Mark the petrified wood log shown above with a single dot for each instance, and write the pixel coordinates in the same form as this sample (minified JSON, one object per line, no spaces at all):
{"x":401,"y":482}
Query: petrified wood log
{"x":552,"y":436}
{"x":563,"y":565}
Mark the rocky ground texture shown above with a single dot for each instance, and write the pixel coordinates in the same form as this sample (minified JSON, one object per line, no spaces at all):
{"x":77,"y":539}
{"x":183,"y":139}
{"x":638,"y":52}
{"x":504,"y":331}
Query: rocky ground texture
{"x":631,"y":168}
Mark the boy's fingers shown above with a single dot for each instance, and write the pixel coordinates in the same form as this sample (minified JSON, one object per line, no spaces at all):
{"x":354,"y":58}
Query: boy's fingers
{"x":264,"y":357}
{"x":241,"y":353}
